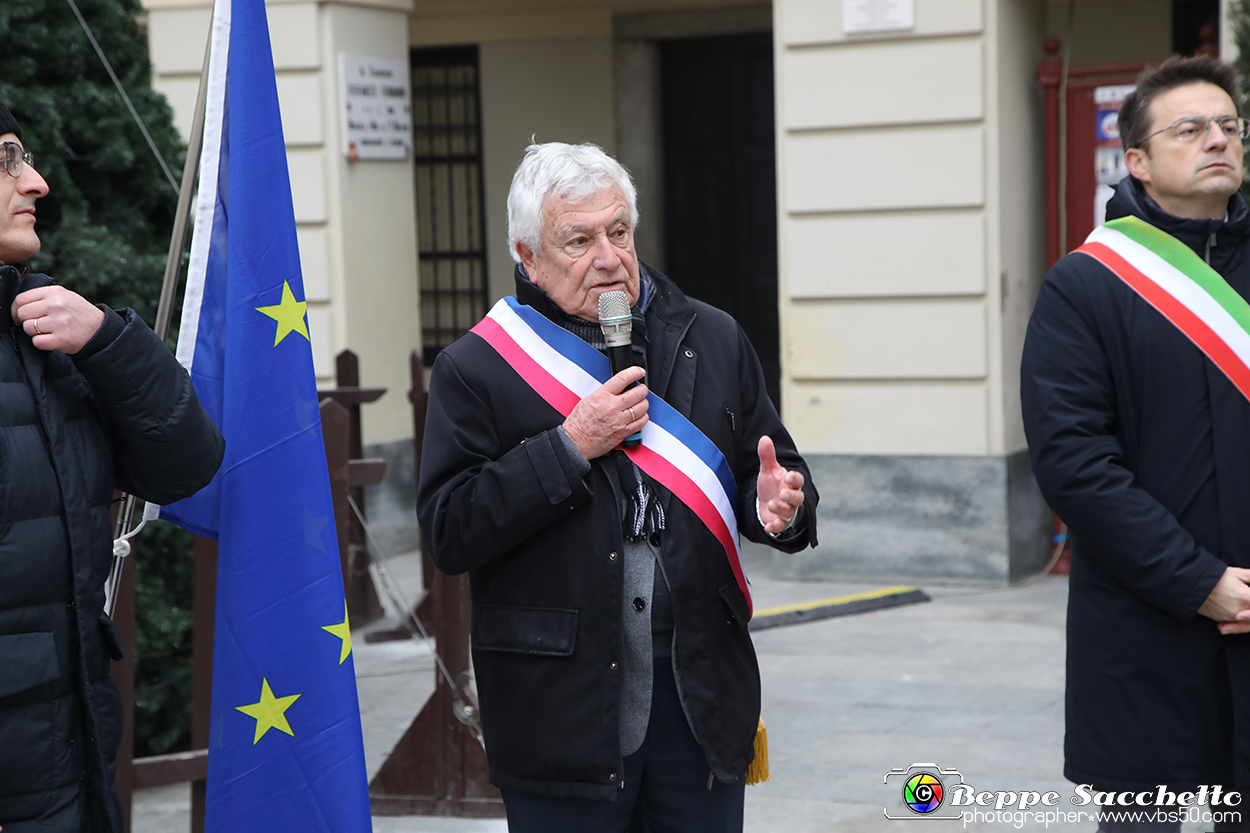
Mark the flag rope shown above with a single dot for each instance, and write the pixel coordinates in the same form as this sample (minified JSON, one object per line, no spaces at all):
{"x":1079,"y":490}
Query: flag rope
{"x":143,"y":128}
{"x":463,"y":711}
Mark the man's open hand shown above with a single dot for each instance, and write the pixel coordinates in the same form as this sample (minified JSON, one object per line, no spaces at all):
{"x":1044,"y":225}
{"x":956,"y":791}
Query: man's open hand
{"x":780,"y":492}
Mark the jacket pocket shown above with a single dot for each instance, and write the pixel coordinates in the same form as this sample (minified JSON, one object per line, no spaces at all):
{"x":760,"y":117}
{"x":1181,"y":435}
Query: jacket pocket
{"x":28,"y":660}
{"x":539,"y":631}
{"x":736,"y":603}
{"x":112,"y":639}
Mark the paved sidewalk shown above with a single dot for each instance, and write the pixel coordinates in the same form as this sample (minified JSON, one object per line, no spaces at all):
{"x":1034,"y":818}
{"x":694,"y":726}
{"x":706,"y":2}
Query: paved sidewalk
{"x":972,"y":681}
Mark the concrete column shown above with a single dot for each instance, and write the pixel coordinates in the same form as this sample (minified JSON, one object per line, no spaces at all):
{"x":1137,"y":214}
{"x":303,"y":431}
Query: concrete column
{"x":911,"y":229}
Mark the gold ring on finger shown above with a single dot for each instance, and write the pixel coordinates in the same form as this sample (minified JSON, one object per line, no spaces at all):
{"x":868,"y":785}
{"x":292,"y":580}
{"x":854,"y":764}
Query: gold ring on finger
{"x":632,"y":416}
{"x":38,"y":332}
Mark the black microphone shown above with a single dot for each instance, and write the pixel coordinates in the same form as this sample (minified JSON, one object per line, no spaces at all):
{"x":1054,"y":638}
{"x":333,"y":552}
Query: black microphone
{"x":617,"y":324}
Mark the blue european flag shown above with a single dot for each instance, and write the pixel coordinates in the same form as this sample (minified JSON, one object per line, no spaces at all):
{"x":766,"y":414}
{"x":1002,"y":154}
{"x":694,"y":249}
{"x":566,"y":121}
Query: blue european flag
{"x":286,"y":750}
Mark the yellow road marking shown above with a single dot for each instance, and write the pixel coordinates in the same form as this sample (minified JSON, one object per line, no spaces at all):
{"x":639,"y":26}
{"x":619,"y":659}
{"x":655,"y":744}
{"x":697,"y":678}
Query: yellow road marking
{"x":836,"y":600}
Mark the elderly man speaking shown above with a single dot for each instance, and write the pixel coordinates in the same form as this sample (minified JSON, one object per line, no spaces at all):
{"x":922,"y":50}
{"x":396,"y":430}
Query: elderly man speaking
{"x":617,"y":679}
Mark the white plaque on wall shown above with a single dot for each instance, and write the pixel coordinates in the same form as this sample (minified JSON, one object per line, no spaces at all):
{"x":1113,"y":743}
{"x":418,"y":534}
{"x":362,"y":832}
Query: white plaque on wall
{"x":860,"y":16}
{"x":377,"y":107}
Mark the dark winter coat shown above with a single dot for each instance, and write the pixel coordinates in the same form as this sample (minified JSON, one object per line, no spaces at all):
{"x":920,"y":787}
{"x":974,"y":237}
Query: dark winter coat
{"x":71,"y":429}
{"x":500,"y":498}
{"x":1142,"y":446}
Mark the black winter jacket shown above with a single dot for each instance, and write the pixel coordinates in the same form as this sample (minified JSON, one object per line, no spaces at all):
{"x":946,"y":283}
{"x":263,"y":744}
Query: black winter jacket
{"x":1143,"y":447}
{"x":500,"y":498}
{"x":71,"y":429}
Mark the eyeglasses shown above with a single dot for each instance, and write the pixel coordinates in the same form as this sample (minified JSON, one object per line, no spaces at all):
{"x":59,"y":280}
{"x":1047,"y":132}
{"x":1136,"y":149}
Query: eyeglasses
{"x":14,"y":156}
{"x":1192,"y":129}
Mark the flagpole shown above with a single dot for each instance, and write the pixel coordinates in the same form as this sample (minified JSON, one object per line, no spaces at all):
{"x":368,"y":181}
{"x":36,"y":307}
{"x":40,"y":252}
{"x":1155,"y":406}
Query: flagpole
{"x":190,"y":171}
{"x":165,"y":308}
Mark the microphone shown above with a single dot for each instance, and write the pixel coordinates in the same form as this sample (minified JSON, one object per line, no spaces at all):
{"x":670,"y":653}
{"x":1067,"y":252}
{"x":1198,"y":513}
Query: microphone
{"x":617,"y":324}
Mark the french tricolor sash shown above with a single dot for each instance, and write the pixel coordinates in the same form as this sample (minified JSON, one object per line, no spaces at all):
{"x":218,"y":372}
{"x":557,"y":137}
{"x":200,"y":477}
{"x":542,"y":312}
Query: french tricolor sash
{"x":1170,"y":277}
{"x":563,"y":369}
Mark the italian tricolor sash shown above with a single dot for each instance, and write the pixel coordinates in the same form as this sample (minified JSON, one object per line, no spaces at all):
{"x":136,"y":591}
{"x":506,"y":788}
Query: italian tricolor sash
{"x":1170,"y":277}
{"x":563,"y":370}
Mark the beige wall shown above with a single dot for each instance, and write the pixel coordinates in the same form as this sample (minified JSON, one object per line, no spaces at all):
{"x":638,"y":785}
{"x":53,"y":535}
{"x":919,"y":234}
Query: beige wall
{"x":1111,"y":31}
{"x":354,"y":221}
{"x":1228,"y":45}
{"x":373,"y":238}
{"x":1123,"y":31}
{"x":480,"y":21}
{"x":910,"y":225}
{"x":553,"y":90}
{"x":1022,"y":196}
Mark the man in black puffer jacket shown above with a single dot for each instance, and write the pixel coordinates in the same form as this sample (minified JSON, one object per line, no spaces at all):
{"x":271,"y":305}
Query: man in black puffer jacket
{"x":90,"y":399}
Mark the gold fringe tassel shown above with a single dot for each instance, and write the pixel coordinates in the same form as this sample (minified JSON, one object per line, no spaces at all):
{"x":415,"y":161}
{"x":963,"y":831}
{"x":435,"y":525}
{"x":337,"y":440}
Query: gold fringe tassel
{"x":758,"y":771}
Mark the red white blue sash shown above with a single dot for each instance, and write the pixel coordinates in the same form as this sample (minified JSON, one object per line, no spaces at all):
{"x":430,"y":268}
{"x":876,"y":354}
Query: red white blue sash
{"x":563,"y":370}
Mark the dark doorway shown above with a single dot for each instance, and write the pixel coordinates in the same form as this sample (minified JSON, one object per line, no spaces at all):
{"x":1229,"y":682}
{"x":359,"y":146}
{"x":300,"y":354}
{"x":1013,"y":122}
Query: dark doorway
{"x":1196,"y":27}
{"x":720,"y":199}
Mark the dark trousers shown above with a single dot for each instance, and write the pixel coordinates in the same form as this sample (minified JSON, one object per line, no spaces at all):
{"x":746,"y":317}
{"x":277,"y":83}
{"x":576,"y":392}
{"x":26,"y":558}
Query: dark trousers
{"x":666,"y":785}
{"x":1237,"y":653}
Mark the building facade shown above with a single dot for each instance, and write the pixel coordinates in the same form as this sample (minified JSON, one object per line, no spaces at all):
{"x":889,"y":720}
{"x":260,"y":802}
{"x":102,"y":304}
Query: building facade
{"x":866,"y":194}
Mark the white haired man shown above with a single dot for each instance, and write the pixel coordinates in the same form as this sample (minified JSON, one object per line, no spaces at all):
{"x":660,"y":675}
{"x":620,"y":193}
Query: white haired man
{"x":616,"y":675}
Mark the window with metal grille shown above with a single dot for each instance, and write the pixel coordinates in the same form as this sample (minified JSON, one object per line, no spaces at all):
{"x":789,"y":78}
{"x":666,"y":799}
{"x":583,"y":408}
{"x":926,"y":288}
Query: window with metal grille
{"x":451,"y":229}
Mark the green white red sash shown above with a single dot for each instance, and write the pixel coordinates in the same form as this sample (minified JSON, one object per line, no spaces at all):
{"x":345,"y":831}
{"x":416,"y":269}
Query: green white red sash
{"x":563,"y":369}
{"x":1170,"y":277}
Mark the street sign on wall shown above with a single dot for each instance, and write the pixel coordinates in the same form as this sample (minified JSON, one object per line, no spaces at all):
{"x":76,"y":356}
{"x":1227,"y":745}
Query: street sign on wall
{"x":377,"y":107}
{"x":859,"y":16}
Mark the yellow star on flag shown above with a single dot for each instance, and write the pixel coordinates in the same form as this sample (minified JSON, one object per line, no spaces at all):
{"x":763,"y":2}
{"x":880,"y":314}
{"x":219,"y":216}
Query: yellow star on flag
{"x":269,"y":712}
{"x":289,"y":314}
{"x":344,"y":632}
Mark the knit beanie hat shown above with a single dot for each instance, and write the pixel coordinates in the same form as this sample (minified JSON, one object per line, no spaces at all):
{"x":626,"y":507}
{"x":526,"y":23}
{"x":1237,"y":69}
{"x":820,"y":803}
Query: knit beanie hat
{"x":8,"y":124}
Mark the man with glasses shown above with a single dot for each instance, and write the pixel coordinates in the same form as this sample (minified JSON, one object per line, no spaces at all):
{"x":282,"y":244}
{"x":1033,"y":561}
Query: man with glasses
{"x":1134,"y":385}
{"x":90,"y":399}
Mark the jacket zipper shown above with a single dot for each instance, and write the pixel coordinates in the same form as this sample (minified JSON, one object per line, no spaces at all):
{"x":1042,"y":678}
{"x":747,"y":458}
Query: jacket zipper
{"x":7,"y":328}
{"x":1210,"y":244}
